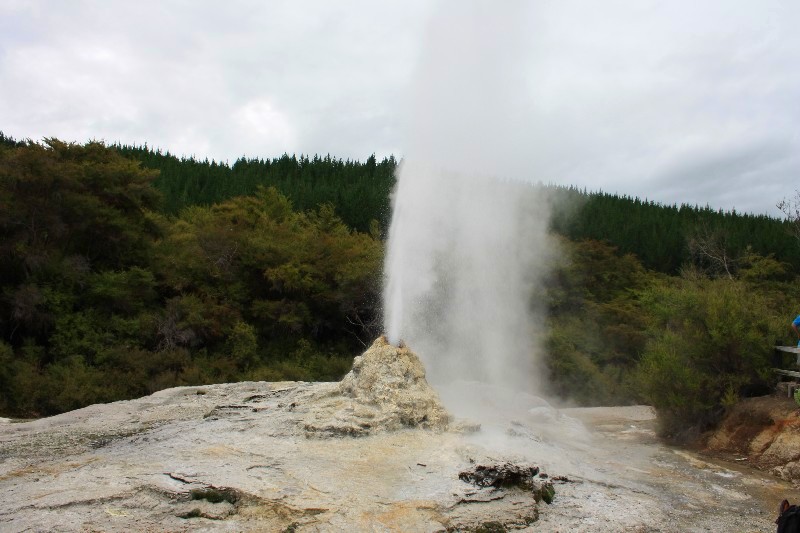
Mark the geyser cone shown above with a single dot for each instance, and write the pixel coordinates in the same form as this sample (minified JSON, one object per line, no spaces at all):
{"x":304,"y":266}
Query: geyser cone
{"x":386,"y":390}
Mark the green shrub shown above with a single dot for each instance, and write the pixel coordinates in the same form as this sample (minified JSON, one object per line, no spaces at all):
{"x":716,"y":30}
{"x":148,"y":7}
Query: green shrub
{"x":710,"y":343}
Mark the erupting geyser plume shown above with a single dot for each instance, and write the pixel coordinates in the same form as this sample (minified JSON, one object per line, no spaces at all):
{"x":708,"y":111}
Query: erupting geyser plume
{"x":467,"y":241}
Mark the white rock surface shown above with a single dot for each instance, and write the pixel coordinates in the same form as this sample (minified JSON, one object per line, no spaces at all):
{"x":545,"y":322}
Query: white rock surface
{"x":270,"y":457}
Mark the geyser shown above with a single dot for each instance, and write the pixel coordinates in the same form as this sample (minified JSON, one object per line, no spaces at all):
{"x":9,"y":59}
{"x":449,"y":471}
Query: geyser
{"x":463,"y":258}
{"x":466,"y":248}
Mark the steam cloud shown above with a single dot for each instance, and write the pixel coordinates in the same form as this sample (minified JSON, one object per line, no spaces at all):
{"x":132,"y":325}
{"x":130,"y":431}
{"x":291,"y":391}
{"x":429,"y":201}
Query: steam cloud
{"x":467,"y":242}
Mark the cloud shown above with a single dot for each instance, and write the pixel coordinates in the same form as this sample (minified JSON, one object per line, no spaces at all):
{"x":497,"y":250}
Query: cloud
{"x":661,"y":99}
{"x":192,"y":77}
{"x":266,"y":128}
{"x":656,"y":99}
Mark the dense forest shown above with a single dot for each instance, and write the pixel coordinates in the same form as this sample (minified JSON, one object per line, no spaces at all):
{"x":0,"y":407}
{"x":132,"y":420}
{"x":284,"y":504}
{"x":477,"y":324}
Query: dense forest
{"x":360,"y":193}
{"x":124,"y":270}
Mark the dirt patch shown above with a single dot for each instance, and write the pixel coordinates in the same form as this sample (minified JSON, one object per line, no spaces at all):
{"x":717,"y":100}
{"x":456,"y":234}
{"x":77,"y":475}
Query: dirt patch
{"x":764,"y":431}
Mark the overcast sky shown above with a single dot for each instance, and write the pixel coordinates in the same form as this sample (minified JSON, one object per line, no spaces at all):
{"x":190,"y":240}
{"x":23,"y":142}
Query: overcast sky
{"x":678,"y":101}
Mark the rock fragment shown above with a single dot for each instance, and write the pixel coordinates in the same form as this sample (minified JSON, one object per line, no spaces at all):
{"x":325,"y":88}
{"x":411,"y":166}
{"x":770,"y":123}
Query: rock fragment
{"x":509,"y":476}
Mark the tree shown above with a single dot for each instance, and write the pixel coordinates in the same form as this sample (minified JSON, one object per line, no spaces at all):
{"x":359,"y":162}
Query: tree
{"x":711,"y":252}
{"x":66,"y":211}
{"x":790,"y":207}
{"x":596,"y":327}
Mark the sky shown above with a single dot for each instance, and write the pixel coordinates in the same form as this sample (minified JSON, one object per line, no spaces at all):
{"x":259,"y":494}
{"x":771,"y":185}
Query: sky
{"x":678,"y":102}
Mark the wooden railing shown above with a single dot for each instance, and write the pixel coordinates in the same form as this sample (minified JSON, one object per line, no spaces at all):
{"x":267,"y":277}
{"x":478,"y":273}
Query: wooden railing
{"x":790,"y":386}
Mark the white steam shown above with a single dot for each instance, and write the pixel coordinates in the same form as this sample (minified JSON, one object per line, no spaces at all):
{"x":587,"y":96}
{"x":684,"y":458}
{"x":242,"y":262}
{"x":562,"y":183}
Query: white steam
{"x":467,"y":244}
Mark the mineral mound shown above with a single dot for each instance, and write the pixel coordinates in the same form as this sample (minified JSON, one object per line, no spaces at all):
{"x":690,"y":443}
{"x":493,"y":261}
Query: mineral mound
{"x":386,"y":390}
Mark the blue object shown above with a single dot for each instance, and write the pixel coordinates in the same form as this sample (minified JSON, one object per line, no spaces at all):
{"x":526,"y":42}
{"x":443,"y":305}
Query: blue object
{"x":796,"y":321}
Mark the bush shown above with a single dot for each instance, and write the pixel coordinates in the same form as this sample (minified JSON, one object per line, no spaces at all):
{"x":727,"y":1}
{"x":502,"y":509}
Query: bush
{"x":710,"y":344}
{"x":596,"y":331}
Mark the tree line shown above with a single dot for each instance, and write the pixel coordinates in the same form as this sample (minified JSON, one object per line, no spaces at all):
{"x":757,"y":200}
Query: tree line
{"x":360,"y":191}
{"x":658,"y":234}
{"x":662,"y":236}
